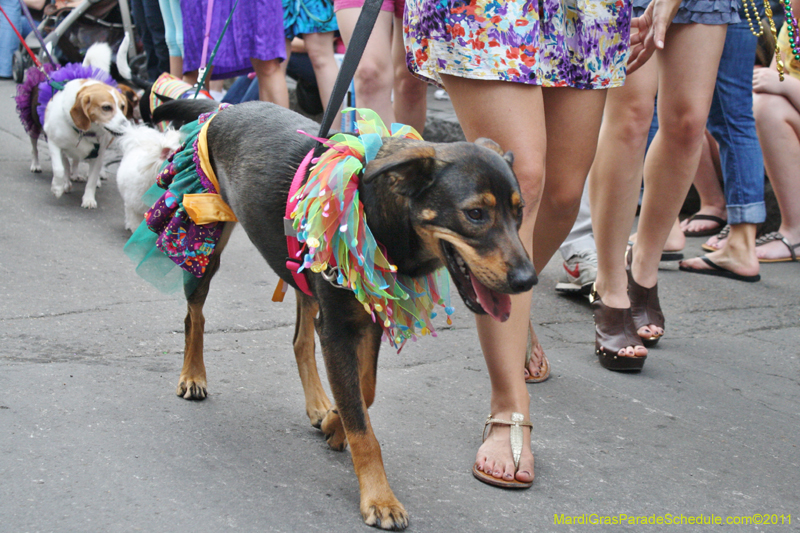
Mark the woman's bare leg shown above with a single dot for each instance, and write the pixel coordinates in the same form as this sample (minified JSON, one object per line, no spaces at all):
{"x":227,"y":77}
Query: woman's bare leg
{"x":573,"y":119}
{"x":515,"y":120}
{"x":708,"y":182}
{"x":320,"y":51}
{"x":615,"y":180}
{"x":410,"y":93}
{"x":375,"y":74}
{"x":685,"y":89}
{"x":271,"y":81}
{"x":176,"y":66}
{"x":778,"y":125}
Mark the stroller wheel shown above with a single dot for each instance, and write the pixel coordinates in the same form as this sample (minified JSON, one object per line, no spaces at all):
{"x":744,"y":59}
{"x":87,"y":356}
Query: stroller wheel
{"x":18,"y":66}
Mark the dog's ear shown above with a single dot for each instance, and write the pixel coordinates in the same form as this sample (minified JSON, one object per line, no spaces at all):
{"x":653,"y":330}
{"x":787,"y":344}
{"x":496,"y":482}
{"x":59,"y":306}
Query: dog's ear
{"x":491,"y":145}
{"x":80,"y":111}
{"x":409,"y":170}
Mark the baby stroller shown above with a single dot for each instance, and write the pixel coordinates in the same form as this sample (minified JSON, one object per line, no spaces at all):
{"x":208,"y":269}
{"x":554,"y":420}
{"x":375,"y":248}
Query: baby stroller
{"x":70,"y":27}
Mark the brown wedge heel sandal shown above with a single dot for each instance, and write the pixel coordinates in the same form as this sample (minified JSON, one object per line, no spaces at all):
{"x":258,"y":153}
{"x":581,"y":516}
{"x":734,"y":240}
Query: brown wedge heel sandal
{"x":645,"y":306}
{"x":614,"y":331}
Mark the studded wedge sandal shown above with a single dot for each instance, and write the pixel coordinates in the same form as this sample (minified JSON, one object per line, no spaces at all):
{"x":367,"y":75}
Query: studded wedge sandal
{"x":645,"y":307}
{"x":516,"y":437}
{"x":614,"y":330}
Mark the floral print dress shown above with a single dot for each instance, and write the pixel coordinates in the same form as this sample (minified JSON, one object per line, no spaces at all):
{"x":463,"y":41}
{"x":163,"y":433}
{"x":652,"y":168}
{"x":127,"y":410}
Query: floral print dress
{"x":553,"y":43}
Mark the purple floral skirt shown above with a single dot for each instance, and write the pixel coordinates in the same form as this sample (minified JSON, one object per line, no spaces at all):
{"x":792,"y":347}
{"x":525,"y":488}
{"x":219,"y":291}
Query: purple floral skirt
{"x":553,"y":43}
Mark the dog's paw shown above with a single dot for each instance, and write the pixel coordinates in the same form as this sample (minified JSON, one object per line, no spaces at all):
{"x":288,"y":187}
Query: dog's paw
{"x":58,"y":190}
{"x":316,"y":416}
{"x":88,"y":203}
{"x":36,"y":168}
{"x":317,"y":410}
{"x":389,"y":514}
{"x":333,"y":430}
{"x":192,"y":389}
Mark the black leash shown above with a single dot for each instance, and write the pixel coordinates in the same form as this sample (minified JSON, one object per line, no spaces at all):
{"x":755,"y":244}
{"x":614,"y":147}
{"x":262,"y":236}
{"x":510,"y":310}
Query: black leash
{"x":361,"y":33}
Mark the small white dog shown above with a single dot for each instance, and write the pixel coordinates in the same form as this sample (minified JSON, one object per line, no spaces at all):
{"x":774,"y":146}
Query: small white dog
{"x":80,"y":122}
{"x":144,"y":151}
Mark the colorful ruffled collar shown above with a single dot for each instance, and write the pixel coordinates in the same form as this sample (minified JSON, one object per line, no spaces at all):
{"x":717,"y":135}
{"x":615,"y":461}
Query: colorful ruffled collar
{"x":330,"y":220}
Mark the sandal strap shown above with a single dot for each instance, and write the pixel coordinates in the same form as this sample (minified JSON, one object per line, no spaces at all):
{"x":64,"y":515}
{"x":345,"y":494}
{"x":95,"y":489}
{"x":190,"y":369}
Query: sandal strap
{"x":645,"y":306}
{"x":777,"y":236}
{"x":614,"y":327}
{"x":516,"y":423}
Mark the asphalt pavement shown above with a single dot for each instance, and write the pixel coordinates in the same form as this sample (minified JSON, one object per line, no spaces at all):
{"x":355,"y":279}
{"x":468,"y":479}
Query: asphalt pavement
{"x":93,"y":438}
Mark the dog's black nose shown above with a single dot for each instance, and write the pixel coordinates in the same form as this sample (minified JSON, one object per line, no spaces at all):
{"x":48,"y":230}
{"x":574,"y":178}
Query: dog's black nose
{"x":521,"y":279}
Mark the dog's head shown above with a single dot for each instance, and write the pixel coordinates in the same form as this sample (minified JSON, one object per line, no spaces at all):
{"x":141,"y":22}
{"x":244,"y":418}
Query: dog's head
{"x":131,"y":100}
{"x":464,"y":204}
{"x":100,"y":104}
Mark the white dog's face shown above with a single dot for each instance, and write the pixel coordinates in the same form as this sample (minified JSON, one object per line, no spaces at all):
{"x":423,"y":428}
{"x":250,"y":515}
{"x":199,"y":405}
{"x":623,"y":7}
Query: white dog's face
{"x":101,"y":104}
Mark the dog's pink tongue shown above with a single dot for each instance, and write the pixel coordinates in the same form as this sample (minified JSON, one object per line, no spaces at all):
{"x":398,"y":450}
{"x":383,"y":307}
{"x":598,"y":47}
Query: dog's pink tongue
{"x":496,"y":304}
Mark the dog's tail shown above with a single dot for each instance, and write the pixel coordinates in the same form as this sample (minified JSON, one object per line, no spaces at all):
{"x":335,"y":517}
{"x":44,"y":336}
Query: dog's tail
{"x":99,"y":56}
{"x":181,"y":112}
{"x":123,"y":67}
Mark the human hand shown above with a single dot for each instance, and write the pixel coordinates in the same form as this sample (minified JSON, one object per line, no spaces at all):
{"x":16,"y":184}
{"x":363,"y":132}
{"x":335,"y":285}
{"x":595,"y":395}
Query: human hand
{"x":649,"y":31}
{"x":766,"y":80}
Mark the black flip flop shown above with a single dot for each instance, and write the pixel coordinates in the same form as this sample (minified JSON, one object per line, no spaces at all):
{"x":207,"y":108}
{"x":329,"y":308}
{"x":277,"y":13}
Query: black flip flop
{"x":667,"y":256}
{"x":706,"y":232}
{"x":717,"y":270}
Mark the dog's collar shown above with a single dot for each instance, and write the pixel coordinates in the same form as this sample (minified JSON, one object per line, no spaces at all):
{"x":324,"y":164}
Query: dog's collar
{"x":95,"y":146}
{"x":294,"y":262}
{"x":82,"y":134}
{"x":337,"y":243}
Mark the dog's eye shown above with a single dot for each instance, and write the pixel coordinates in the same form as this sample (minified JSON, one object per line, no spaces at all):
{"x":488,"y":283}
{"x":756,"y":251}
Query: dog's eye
{"x":107,"y":107}
{"x":476,"y":215}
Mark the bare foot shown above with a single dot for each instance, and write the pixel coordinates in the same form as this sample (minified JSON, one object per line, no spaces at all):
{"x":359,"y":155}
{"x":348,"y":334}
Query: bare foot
{"x":494,"y":456}
{"x":691,"y":225}
{"x":538,"y":366}
{"x":724,"y":259}
{"x":776,"y":249}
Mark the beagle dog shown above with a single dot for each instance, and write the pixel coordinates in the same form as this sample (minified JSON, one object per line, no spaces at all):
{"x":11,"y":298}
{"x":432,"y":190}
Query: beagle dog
{"x":80,"y":122}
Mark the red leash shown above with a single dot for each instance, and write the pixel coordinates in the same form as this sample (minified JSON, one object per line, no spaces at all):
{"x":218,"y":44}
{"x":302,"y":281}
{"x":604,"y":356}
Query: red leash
{"x":22,"y":40}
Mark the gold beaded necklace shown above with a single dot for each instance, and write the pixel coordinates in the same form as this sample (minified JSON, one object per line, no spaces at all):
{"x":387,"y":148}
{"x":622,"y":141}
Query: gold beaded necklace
{"x":772,"y":28}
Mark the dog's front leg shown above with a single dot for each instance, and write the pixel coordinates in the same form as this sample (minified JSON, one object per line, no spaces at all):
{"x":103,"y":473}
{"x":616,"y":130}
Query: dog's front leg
{"x":88,"y":201}
{"x":192,"y":383}
{"x":349,"y":347}
{"x":35,"y":165}
{"x":60,"y":183}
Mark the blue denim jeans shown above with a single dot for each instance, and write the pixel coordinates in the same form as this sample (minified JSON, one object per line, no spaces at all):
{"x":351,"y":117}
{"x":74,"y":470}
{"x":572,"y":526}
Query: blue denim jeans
{"x":147,"y":17}
{"x":731,"y":123}
{"x":9,"y":42}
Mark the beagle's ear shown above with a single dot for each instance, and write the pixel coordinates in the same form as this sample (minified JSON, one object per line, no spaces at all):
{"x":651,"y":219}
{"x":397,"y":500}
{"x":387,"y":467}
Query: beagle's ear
{"x":491,"y":145}
{"x":410,"y":171}
{"x":80,"y":111}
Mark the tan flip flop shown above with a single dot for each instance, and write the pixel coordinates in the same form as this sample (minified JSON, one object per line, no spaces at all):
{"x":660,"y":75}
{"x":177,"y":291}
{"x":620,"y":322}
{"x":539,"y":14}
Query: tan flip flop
{"x":544,"y":371}
{"x":516,"y":423}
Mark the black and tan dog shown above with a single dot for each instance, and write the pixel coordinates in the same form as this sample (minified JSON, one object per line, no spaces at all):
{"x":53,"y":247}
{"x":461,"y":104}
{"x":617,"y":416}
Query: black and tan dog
{"x":457,"y":205}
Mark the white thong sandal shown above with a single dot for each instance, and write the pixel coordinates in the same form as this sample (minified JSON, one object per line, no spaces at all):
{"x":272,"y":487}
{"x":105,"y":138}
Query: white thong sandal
{"x":516,"y":424}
